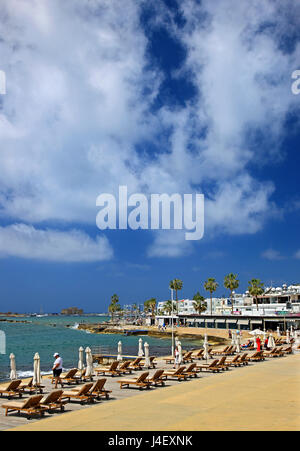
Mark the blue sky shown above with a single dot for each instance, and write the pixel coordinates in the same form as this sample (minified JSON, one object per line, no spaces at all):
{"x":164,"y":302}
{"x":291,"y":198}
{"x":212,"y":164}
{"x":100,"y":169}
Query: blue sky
{"x":165,"y":97}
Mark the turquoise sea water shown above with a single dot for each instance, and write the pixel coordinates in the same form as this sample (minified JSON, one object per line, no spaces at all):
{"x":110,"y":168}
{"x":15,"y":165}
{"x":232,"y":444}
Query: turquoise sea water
{"x":47,"y":335}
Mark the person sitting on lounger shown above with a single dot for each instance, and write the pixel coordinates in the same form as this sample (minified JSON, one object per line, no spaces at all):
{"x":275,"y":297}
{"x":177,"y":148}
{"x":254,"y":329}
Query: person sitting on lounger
{"x":248,"y":344}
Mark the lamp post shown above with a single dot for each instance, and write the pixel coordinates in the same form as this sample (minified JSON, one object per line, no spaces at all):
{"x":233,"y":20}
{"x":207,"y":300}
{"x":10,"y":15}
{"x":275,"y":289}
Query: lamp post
{"x":172,"y":322}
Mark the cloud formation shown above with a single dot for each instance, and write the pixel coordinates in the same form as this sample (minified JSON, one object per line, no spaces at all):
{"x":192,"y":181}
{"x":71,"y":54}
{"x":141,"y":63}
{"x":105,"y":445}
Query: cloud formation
{"x":78,"y":114}
{"x":272,"y":254}
{"x":28,"y":242}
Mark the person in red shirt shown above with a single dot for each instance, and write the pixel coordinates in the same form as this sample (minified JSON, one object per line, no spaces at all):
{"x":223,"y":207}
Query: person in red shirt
{"x":258,"y":342}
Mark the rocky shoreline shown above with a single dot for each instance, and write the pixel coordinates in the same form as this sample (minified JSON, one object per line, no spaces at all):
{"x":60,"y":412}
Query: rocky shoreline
{"x":150,"y":331}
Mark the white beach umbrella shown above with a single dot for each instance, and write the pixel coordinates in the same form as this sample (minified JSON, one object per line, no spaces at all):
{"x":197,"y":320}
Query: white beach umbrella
{"x":36,"y":369}
{"x":295,"y":335}
{"x":147,"y":359}
{"x":238,"y":343}
{"x":80,"y":361}
{"x":233,"y":338}
{"x":255,"y":343}
{"x":278,"y":331}
{"x":256,"y":332}
{"x":89,"y":363}
{"x":13,"y":371}
{"x":297,"y":339}
{"x":141,"y":352}
{"x":205,"y":346}
{"x":180,"y":351}
{"x":271,"y":342}
{"x":288,"y":341}
{"x":119,"y":357}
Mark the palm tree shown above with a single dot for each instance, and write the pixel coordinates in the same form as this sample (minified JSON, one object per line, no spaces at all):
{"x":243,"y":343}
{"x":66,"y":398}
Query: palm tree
{"x":114,"y":306}
{"x":211,"y":285}
{"x":199,"y":303}
{"x":231,"y":283}
{"x":176,"y":284}
{"x":150,"y":304}
{"x":256,"y":288}
{"x":167,"y":308}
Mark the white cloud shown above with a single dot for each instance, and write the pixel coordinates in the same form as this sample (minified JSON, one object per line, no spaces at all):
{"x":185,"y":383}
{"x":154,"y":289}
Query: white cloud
{"x":169,"y":243}
{"x":272,"y":254}
{"x":297,"y":254}
{"x":79,"y":99}
{"x":24,"y":241}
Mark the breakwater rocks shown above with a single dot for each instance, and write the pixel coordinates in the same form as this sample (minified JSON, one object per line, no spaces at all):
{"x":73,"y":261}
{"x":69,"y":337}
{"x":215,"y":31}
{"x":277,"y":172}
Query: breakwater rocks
{"x":14,"y":321}
{"x":109,"y":329}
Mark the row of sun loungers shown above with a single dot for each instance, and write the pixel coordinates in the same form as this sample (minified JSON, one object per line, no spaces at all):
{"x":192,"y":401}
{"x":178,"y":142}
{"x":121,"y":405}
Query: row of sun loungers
{"x":57,"y":399}
{"x":38,"y":404}
{"x":126,"y":367}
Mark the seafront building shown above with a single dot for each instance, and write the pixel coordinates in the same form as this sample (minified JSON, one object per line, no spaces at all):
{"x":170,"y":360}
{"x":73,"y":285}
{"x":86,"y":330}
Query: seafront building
{"x":277,"y":307}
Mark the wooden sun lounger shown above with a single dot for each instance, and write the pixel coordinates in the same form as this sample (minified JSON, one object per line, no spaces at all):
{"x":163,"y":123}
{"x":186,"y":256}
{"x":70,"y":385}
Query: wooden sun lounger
{"x":97,"y":390}
{"x":82,"y":376}
{"x":111,"y":370}
{"x":24,"y":386}
{"x":140,"y":382}
{"x":230,"y":351}
{"x":209,"y":366}
{"x":136,"y":364}
{"x":287,"y":350}
{"x":152,"y":363}
{"x":220,"y":351}
{"x":270,"y":353}
{"x":125,"y":367}
{"x":30,"y":406}
{"x":53,"y":401}
{"x":169,"y":359}
{"x":198,"y":355}
{"x":187,"y":357}
{"x":177,"y":374}
{"x":11,"y":389}
{"x":191,"y":370}
{"x":257,"y":356}
{"x":158,"y":378}
{"x":82,"y":394}
{"x":69,"y":377}
{"x":221,"y":364}
{"x":279,"y":352}
{"x":234,"y":362}
{"x":243,"y":358}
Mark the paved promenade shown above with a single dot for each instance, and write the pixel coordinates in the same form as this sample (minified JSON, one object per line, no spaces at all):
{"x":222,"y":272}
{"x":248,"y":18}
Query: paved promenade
{"x":263,"y":396}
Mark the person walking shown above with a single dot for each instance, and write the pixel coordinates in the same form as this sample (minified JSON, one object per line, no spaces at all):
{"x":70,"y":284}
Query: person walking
{"x":57,"y":369}
{"x":176,"y":355}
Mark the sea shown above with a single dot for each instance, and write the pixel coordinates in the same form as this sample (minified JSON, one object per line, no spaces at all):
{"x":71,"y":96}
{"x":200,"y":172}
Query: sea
{"x":49,"y":334}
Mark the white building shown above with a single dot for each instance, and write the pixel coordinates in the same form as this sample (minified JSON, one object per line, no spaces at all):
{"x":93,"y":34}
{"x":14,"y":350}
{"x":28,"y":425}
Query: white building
{"x":275,"y":301}
{"x":187,"y":306}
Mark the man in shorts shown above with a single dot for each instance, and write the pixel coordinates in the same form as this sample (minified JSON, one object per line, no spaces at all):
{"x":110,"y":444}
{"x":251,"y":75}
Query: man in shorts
{"x":57,"y":369}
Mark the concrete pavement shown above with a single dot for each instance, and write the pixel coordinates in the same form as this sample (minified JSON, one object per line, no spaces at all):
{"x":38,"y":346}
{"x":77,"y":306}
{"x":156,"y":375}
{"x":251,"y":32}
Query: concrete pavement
{"x":263,"y":396}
